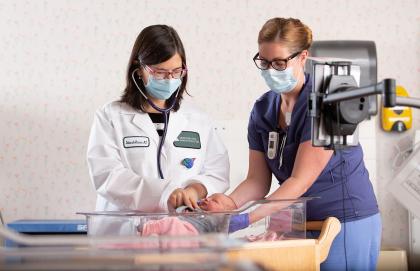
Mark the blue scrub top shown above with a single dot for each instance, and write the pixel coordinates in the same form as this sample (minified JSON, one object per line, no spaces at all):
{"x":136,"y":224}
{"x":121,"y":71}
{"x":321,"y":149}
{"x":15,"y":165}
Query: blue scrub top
{"x":343,"y":186}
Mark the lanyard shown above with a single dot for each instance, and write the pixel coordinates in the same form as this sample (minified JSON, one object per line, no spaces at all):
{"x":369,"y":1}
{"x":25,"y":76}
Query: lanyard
{"x":282,"y":145}
{"x":288,"y":118}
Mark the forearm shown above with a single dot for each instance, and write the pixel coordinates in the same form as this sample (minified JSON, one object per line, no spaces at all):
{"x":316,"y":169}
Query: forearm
{"x":292,"y":188}
{"x":248,"y":190}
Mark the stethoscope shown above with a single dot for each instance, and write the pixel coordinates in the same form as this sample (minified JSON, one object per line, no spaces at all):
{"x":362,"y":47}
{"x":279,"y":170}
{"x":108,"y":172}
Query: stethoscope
{"x":165,"y":112}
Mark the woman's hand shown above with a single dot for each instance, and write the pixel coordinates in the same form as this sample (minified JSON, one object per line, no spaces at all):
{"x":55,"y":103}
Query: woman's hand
{"x":188,"y":196}
{"x":218,"y":202}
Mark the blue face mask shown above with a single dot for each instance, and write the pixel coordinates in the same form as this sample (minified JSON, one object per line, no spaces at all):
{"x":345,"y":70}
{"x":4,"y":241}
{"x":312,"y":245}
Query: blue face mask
{"x":162,"y":89}
{"x":280,"y":81}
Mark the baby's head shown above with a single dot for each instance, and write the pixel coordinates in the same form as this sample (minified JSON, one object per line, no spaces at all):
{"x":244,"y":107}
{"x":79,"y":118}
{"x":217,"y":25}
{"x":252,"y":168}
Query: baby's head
{"x":217,"y":203}
{"x":210,"y":204}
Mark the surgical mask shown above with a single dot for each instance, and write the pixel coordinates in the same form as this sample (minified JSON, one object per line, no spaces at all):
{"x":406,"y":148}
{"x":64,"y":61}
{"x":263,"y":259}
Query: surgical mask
{"x":280,"y":81}
{"x":162,"y":89}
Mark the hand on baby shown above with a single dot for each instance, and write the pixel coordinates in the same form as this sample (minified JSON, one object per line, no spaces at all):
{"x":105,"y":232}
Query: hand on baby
{"x":218,"y":202}
{"x":187,"y":196}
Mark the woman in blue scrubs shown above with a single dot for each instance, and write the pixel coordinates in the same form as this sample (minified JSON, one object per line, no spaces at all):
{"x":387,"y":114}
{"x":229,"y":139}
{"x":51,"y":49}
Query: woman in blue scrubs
{"x":339,"y":178}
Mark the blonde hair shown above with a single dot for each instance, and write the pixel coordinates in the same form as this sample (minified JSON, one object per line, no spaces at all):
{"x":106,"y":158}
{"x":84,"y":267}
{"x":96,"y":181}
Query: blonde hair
{"x":291,"y":32}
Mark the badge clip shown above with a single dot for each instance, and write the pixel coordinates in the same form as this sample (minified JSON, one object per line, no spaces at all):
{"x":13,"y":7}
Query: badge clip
{"x":273,"y":142}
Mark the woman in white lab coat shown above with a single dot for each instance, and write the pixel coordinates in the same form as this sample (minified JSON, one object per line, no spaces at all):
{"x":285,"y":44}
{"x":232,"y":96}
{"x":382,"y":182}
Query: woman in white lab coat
{"x":123,"y":160}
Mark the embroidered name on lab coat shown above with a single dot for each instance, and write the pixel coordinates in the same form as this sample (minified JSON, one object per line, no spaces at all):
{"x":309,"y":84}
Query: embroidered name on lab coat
{"x":136,"y":142}
{"x":188,"y":139}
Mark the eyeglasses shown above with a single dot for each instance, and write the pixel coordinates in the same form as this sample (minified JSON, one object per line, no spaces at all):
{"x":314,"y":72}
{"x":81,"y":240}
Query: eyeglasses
{"x":277,"y":64}
{"x":162,"y":74}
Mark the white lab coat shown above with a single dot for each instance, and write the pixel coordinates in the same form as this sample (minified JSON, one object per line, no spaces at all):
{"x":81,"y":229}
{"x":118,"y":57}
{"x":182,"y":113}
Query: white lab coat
{"x":128,"y":179}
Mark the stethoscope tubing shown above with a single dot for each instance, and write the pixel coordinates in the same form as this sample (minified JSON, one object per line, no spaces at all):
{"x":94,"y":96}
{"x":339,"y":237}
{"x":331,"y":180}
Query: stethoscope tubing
{"x":165,"y":112}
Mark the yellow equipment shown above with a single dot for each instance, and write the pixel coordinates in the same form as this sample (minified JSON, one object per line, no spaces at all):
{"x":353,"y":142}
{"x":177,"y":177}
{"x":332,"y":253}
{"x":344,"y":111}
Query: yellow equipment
{"x":398,"y":118}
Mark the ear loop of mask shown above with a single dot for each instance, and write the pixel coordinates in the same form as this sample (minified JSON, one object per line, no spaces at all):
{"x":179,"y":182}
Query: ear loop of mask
{"x":165,"y":112}
{"x":303,"y":68}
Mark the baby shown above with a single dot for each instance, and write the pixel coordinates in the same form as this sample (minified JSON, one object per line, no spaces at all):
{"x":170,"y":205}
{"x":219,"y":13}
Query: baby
{"x":217,"y":203}
{"x":192,"y":224}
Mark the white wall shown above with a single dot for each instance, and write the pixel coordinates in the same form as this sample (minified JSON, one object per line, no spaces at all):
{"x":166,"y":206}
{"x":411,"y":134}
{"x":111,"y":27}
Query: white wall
{"x":60,"y":60}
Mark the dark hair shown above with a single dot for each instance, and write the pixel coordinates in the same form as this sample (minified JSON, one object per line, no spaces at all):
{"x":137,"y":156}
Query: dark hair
{"x":155,"y":44}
